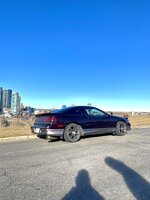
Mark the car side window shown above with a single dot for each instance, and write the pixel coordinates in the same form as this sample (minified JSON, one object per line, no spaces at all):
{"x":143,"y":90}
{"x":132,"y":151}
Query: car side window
{"x":94,"y":112}
{"x":74,"y":111}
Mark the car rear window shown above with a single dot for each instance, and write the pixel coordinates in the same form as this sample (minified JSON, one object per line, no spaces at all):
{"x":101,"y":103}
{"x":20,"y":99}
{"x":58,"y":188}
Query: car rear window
{"x":73,"y":111}
{"x":59,"y":110}
{"x":68,"y":110}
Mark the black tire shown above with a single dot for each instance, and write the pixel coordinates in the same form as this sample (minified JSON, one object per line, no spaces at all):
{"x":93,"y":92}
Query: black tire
{"x":72,"y":132}
{"x":121,"y":128}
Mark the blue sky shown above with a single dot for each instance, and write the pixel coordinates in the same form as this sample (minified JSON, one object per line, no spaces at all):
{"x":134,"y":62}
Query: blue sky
{"x":76,"y":52}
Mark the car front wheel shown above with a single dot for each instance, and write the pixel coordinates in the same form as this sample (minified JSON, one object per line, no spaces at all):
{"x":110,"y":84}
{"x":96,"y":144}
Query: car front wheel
{"x":121,"y":128}
{"x":72,"y":132}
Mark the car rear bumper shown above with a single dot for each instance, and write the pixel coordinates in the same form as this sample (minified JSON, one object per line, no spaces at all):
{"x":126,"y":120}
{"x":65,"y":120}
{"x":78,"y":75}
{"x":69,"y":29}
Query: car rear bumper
{"x":50,"y":132}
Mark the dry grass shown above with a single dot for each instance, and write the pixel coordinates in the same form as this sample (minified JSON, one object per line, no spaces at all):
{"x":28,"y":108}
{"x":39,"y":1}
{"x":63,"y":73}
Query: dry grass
{"x":18,"y":127}
{"x":13,"y":131}
{"x":140,"y":120}
{"x":19,"y":130}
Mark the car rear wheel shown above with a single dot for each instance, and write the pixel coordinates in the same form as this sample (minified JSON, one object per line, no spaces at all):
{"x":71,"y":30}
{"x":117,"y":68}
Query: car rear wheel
{"x":121,"y":128}
{"x":72,"y":132}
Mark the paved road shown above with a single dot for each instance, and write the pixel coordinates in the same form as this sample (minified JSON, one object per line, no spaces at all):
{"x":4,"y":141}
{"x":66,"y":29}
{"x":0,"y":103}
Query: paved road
{"x":95,"y":168}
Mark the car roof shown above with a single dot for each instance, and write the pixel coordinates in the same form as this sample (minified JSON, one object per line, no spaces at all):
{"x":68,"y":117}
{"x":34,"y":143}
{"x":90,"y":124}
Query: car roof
{"x":62,"y":110}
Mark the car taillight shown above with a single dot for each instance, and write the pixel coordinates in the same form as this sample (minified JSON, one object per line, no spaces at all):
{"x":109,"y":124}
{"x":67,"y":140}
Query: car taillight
{"x":46,"y":119}
{"x":52,"y":119}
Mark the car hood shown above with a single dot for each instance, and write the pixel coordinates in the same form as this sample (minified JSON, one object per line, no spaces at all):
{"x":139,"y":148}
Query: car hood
{"x":116,"y":118}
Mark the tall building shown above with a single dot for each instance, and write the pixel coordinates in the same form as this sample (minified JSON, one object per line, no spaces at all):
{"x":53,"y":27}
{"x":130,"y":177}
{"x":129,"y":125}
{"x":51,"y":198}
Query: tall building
{"x":1,"y":100}
{"x":7,"y":95}
{"x":15,"y":103}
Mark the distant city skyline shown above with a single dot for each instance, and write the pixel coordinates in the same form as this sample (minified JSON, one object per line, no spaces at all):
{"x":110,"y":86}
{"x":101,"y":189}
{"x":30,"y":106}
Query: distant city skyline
{"x":105,"y":104}
{"x":9,"y":101}
{"x":58,"y":53}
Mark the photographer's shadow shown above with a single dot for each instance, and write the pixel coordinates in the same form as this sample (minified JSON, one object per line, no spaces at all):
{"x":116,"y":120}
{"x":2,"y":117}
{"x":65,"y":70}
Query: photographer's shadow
{"x":138,"y":186}
{"x":83,"y":189}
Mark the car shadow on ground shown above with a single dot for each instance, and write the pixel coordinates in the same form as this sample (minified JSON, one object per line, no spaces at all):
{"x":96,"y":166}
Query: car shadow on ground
{"x":56,"y":139}
{"x":42,"y":137}
{"x":96,"y":135}
{"x":83,"y":189}
{"x":52,"y":139}
{"x":137,"y":185}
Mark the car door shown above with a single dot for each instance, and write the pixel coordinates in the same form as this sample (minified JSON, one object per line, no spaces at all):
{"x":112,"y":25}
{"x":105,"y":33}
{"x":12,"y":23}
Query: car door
{"x":99,"y":121}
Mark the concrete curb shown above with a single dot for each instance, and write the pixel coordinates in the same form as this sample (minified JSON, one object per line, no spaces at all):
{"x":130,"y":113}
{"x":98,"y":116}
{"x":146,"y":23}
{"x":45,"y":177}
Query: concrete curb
{"x":138,"y":127}
{"x":18,"y":138}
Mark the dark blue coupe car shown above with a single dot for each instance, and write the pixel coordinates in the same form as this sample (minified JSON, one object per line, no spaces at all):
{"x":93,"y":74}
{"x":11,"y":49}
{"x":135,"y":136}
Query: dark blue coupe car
{"x":72,"y":123}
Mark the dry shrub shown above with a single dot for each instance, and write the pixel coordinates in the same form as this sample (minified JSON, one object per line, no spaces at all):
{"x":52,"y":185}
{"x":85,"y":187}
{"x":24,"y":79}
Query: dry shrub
{"x":22,"y":121}
{"x":4,"y":122}
{"x":18,"y":126}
